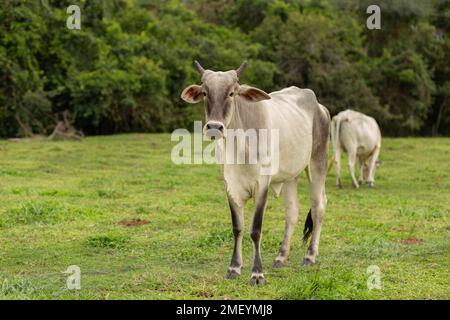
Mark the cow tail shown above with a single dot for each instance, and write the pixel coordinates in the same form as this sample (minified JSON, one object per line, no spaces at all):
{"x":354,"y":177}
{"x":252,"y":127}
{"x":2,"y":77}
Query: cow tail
{"x":308,"y":227}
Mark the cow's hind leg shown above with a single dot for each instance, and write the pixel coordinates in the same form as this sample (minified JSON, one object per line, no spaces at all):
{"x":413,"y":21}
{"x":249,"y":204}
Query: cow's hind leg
{"x":351,"y":166}
{"x":318,"y":166}
{"x":237,"y":218}
{"x":337,"y":161}
{"x":255,"y":234}
{"x":372,"y":164}
{"x":291,"y":207}
{"x":313,"y":225}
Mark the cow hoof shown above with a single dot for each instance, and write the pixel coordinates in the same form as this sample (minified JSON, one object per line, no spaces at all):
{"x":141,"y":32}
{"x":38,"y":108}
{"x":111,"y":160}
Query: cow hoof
{"x":278,"y":264}
{"x":308,"y":262}
{"x":257,"y":279}
{"x":371,"y":184}
{"x":232,"y":273}
{"x":339,"y":186}
{"x":356,"y":186}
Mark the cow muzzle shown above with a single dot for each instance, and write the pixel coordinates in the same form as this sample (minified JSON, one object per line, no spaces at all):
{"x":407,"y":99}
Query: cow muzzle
{"x":214,"y":129}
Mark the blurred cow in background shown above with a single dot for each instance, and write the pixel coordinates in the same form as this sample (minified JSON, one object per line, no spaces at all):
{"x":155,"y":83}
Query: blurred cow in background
{"x":359,"y":136}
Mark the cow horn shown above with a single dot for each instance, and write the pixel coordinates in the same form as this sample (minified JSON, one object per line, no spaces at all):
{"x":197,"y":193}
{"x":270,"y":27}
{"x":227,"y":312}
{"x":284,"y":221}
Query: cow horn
{"x":199,"y":67}
{"x":241,"y":68}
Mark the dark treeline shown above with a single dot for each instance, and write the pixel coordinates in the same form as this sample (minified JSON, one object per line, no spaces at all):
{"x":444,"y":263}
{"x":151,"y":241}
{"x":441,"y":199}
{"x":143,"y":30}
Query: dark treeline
{"x":124,"y":70}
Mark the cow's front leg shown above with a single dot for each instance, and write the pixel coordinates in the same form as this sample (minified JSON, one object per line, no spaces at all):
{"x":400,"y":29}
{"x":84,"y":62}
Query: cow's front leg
{"x":361,"y":178}
{"x":255,"y":234}
{"x":366,"y":172}
{"x":237,"y":218}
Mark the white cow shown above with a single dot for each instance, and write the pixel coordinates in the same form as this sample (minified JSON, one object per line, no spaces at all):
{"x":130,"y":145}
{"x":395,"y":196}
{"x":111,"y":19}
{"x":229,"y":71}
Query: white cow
{"x":303,"y":127}
{"x":359,"y":136}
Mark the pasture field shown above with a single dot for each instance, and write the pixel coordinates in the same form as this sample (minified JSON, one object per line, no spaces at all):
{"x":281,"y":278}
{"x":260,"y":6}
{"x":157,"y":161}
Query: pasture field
{"x":70,"y":203}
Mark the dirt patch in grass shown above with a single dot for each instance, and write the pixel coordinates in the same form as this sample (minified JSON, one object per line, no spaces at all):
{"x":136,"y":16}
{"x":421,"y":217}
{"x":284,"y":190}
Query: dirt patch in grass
{"x":133,"y":222}
{"x":411,"y":241}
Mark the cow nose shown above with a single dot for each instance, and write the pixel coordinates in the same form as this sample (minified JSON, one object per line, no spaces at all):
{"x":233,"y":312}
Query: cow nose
{"x":214,"y":126}
{"x":214,"y":129}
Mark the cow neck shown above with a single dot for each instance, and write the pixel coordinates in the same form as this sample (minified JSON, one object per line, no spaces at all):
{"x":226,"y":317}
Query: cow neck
{"x":248,"y":115}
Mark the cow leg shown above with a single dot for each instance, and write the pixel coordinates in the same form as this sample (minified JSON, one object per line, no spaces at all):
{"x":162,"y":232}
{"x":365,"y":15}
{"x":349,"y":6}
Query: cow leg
{"x":351,"y":167}
{"x":291,"y":207}
{"x":366,"y":171}
{"x":337,"y":161}
{"x":372,"y":166}
{"x":318,"y":204}
{"x":318,"y":169}
{"x":237,"y":218}
{"x":255,"y":234}
{"x":361,"y":178}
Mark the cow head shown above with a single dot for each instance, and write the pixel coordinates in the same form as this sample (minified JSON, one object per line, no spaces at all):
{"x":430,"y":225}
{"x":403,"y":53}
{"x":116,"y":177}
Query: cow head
{"x":220,"y":90}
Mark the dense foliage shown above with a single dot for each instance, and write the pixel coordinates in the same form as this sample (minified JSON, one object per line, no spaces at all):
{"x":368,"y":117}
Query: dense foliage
{"x":124,"y":70}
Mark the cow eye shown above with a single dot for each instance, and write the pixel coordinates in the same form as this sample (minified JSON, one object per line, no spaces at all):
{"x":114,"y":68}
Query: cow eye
{"x":231,"y":94}
{"x":204,"y":93}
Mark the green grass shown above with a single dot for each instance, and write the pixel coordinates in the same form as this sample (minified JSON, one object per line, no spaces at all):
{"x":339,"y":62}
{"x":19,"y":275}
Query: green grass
{"x":62,"y":204}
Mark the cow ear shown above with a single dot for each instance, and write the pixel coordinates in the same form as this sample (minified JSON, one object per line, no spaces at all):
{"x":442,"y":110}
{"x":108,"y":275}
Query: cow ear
{"x":252,"y":94}
{"x":192,"y":94}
